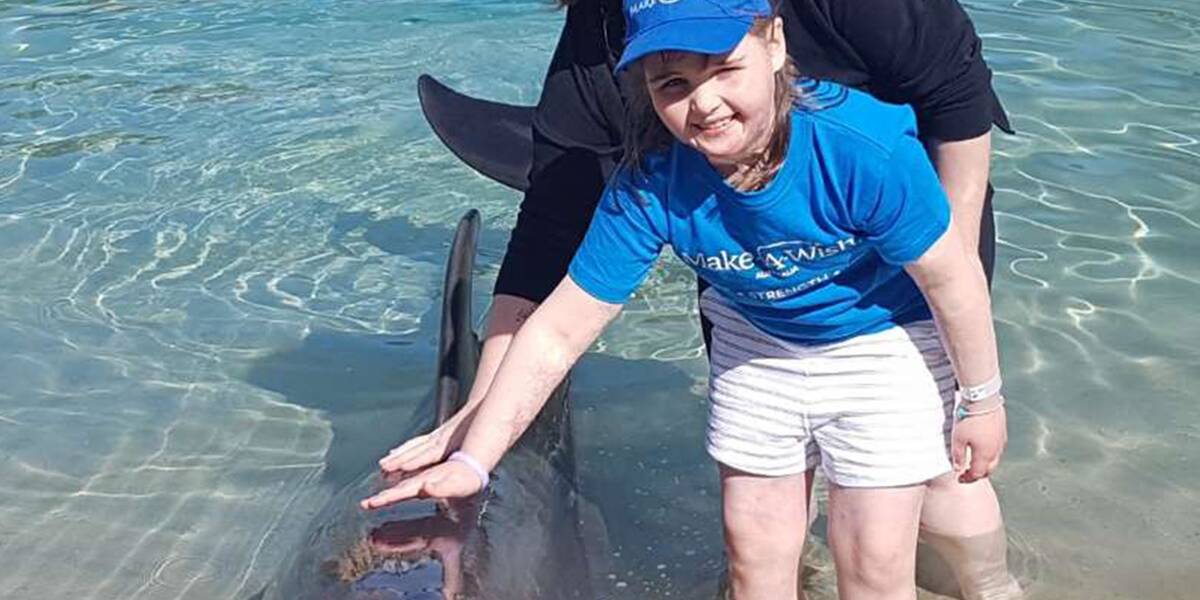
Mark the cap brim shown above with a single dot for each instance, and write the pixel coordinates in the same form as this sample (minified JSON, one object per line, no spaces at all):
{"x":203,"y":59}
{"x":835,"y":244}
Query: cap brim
{"x":720,"y":36}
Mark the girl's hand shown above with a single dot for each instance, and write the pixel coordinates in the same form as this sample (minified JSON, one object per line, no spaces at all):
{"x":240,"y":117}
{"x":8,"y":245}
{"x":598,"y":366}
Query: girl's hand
{"x":425,"y":450}
{"x":985,"y":437}
{"x":450,"y":479}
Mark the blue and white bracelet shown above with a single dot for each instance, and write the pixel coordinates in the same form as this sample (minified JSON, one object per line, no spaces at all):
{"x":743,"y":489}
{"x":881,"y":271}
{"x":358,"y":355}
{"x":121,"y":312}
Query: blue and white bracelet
{"x":975,"y":393}
{"x":961,"y":413}
{"x":972,"y":394}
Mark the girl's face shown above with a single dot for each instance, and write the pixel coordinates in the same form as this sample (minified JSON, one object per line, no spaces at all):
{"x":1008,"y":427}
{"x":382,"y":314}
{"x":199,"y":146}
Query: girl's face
{"x":722,"y":105}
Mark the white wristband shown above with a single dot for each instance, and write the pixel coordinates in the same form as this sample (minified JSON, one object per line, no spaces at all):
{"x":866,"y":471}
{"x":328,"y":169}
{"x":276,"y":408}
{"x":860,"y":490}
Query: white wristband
{"x":975,"y":393}
{"x":474,"y":465}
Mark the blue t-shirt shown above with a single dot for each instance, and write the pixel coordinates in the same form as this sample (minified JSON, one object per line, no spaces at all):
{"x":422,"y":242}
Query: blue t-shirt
{"x":816,"y":255}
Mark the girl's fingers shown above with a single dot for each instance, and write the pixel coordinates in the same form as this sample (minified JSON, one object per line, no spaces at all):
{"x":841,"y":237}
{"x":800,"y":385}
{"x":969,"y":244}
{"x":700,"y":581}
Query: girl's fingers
{"x":447,"y":480}
{"x":979,"y":465}
{"x":405,"y":447}
{"x":983,"y":461}
{"x":415,"y":459}
{"x":409,"y":488}
{"x":415,"y":456}
{"x":958,"y":449}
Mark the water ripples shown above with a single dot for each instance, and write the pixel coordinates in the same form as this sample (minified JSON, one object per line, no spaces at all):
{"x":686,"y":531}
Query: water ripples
{"x":218,"y":220}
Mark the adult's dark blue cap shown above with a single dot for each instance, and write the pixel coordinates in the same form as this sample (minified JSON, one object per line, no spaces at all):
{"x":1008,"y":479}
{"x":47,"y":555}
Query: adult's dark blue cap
{"x":702,"y":26}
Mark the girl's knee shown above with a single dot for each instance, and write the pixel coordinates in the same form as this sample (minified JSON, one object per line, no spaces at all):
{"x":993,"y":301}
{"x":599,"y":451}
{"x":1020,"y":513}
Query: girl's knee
{"x":754,"y":534}
{"x":764,"y":520}
{"x":876,"y":573}
{"x":873,"y":535}
{"x":763,"y":536}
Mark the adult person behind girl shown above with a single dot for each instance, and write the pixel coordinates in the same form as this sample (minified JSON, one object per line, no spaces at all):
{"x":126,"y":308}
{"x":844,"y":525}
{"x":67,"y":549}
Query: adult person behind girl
{"x":844,"y":257}
{"x":924,"y":53}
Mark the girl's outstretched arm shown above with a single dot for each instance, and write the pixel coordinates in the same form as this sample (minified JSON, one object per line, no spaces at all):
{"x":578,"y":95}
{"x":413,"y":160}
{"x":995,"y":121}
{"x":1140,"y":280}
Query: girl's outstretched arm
{"x":956,"y":289}
{"x":506,"y":315}
{"x":542,"y":352}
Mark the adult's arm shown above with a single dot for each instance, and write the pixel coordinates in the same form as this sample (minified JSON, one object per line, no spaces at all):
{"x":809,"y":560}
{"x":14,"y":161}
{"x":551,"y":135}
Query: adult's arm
{"x":963,"y":167}
{"x":576,"y":146}
{"x":541,"y":353}
{"x":926,"y":53}
{"x":565,"y":186}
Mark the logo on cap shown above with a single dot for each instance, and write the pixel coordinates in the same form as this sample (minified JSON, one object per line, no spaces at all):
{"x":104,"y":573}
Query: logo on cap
{"x":638,"y":7}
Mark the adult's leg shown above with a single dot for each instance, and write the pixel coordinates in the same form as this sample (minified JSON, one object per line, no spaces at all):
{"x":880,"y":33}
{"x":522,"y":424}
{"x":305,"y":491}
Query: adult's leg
{"x":873,"y":537}
{"x":765,"y":521}
{"x":962,"y":523}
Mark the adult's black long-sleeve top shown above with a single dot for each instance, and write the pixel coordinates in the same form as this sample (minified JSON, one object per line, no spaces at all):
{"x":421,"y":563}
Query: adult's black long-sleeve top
{"x":924,"y":53}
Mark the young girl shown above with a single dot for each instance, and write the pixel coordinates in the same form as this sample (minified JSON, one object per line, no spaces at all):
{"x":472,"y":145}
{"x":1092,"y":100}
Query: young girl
{"x":827,"y":240}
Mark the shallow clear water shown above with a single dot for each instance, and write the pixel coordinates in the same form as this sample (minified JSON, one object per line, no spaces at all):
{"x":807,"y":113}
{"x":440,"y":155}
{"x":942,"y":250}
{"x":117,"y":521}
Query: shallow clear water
{"x":221,"y":233}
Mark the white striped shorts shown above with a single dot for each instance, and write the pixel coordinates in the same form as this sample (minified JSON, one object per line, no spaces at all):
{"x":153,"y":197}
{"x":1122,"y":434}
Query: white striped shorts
{"x":874,"y":410}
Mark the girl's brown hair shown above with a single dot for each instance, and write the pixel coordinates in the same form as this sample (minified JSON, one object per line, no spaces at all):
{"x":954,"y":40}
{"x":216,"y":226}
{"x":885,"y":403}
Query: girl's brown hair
{"x":645,"y":133}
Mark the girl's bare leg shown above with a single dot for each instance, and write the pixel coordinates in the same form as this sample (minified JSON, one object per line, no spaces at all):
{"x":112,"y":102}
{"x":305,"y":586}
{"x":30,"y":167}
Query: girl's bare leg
{"x":765,"y":519}
{"x":873,"y":537}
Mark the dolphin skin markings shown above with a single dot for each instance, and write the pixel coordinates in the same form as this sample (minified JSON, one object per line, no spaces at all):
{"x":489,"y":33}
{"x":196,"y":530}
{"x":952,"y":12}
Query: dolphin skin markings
{"x":526,"y":538}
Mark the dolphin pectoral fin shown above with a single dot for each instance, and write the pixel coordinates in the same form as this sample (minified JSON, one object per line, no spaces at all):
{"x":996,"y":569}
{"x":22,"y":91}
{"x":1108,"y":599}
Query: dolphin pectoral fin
{"x":493,"y":138}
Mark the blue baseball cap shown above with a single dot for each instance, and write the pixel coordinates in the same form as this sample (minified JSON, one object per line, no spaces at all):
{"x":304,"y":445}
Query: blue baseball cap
{"x":702,"y":26}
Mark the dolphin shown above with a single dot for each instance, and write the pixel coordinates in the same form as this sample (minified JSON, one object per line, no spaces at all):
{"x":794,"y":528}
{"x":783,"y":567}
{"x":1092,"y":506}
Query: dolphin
{"x":529,"y":536}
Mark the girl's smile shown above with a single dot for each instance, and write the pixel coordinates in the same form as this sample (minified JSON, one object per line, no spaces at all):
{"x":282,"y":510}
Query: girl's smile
{"x":722,"y":105}
{"x":714,"y":127}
